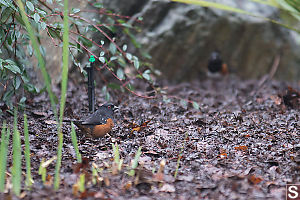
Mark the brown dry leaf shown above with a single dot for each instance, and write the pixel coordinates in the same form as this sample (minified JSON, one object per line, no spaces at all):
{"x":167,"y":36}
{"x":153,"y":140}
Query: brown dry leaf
{"x":138,"y":128}
{"x":99,"y":195}
{"x":86,"y":194}
{"x":75,"y":189}
{"x":115,"y":168}
{"x":151,"y":152}
{"x":127,"y":185}
{"x":254,"y":179}
{"x":277,"y":100}
{"x":223,"y":155}
{"x":39,"y":114}
{"x":83,"y":166}
{"x":49,"y":180}
{"x":241,"y":148}
{"x":167,"y":188}
{"x":23,"y":195}
{"x":106,"y":181}
{"x":158,"y":177}
{"x":50,"y":122}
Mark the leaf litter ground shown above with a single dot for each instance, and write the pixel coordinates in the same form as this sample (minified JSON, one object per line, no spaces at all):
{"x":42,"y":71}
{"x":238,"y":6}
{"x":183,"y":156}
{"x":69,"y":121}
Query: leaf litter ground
{"x":235,"y":146}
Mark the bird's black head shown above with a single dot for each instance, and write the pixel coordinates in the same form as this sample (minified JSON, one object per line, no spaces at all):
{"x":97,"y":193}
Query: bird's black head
{"x":109,"y":106}
{"x":215,"y":62}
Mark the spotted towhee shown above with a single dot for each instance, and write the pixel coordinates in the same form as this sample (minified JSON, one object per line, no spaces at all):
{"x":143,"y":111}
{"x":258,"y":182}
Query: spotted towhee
{"x":99,"y":123}
{"x":215,"y":66}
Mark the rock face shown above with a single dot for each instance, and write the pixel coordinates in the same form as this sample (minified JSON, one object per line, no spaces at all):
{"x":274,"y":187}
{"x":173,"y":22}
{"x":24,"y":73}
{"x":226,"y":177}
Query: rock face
{"x":180,"y":38}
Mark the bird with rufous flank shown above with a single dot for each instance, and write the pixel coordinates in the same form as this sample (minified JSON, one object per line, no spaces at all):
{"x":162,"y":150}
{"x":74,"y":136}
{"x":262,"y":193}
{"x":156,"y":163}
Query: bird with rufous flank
{"x":99,"y":123}
{"x":215,"y":66}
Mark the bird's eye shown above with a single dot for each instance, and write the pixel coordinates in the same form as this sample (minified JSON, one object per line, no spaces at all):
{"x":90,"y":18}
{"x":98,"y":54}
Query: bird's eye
{"x":109,"y":107}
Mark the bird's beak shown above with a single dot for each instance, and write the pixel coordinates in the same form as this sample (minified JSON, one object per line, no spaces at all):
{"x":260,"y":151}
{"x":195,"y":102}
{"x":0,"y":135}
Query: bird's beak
{"x":116,"y":108}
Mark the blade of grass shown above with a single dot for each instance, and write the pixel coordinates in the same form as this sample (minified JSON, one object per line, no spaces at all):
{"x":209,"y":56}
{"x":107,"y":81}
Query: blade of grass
{"x":135,"y":162}
{"x":16,"y":167}
{"x":233,"y":9}
{"x":82,"y":182}
{"x":29,"y":179}
{"x":75,"y":144}
{"x":58,"y":161}
{"x":43,"y":171}
{"x":65,"y":68}
{"x":180,"y":155}
{"x":63,"y":92}
{"x":39,"y":57}
{"x":43,"y":167}
{"x":269,"y":3}
{"x":5,"y":133}
{"x":116,"y":153}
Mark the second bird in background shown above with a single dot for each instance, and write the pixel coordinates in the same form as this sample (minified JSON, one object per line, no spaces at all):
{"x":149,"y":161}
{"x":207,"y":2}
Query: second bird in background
{"x":216,"y":67}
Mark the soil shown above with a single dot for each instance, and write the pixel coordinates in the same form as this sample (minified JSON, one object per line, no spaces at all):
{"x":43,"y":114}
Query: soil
{"x":235,"y":146}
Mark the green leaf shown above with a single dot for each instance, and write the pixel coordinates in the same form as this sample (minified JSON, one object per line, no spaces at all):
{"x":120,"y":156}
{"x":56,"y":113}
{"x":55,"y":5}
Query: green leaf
{"x":98,"y":5}
{"x":113,"y":58}
{"x":30,"y":5}
{"x":22,"y":100}
{"x":36,"y":17}
{"x":102,"y":42}
{"x":112,"y":48}
{"x":29,"y":49}
{"x":41,"y":12}
{"x":8,"y":4}
{"x":114,"y":86}
{"x":147,"y":76}
{"x":43,"y":25}
{"x":120,"y":74}
{"x":106,"y":93}
{"x":102,"y":59}
{"x":43,"y":51}
{"x":85,"y":41}
{"x":16,"y":82}
{"x":183,"y":103}
{"x":130,"y":87}
{"x":139,"y":76}
{"x":13,"y":68}
{"x":129,"y":56}
{"x":196,"y":105}
{"x":6,"y":13}
{"x":136,"y":64}
{"x":122,"y":61}
{"x":124,"y":47}
{"x":75,"y":10}
{"x":20,"y":20}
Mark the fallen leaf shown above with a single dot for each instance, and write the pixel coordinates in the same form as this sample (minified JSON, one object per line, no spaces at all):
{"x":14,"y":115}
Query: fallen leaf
{"x":254,"y":179}
{"x":50,"y":122}
{"x":223,"y":155}
{"x":167,"y":188}
{"x":241,"y":148}
{"x":138,"y":128}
